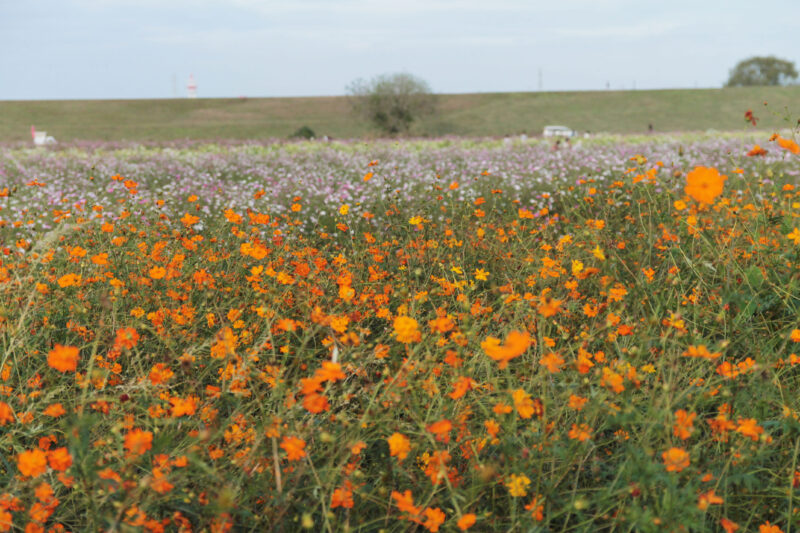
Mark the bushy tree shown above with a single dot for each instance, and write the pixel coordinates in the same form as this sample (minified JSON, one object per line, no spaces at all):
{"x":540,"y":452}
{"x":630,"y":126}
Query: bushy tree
{"x":762,"y":71}
{"x":303,"y":132}
{"x":391,"y":102}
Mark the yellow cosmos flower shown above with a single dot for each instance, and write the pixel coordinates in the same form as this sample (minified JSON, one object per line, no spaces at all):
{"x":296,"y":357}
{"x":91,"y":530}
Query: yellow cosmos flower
{"x":518,"y":485}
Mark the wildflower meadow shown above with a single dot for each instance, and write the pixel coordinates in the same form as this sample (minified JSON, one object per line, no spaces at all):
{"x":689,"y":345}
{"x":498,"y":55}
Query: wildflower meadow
{"x":432,"y":335}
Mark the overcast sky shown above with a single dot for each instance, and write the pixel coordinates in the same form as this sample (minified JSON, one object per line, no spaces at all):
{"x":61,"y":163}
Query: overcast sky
{"x":75,"y":49}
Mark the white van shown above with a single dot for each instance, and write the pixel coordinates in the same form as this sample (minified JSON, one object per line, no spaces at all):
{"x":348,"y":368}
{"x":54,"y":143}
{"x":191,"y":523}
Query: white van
{"x":558,"y":131}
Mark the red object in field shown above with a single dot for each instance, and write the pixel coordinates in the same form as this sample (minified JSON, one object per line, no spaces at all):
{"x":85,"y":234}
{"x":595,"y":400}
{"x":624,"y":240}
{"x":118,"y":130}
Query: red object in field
{"x":33,"y":132}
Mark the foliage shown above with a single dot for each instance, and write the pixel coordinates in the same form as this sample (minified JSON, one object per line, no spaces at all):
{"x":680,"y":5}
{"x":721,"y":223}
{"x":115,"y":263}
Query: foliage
{"x":760,"y":71}
{"x":446,"y":349}
{"x":391,"y":102}
{"x":303,"y":132}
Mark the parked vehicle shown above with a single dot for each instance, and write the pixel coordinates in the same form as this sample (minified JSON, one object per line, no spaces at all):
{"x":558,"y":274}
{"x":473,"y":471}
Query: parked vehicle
{"x":41,"y":138}
{"x":559,"y":131}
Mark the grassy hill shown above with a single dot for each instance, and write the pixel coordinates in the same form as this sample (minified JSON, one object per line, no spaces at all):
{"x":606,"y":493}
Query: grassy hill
{"x":489,"y":114}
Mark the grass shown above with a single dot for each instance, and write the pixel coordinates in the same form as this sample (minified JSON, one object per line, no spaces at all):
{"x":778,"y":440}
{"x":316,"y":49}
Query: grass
{"x":490,"y":114}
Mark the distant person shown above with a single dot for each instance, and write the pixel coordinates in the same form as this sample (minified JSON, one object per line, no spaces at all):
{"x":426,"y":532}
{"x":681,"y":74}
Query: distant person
{"x":650,"y":128}
{"x":556,"y":145}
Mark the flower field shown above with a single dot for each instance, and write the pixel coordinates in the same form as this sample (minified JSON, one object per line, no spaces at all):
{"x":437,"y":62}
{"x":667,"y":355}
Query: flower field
{"x":440,"y":335}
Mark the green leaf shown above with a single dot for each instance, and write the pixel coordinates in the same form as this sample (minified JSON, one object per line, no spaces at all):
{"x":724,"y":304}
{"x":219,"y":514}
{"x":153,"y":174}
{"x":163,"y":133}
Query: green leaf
{"x":754,"y":277}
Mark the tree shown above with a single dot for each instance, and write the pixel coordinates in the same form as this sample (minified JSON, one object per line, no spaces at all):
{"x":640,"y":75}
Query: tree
{"x":391,"y":102}
{"x":762,"y":71}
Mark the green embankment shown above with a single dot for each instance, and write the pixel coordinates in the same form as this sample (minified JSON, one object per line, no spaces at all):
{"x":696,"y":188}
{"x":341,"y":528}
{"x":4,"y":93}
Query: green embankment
{"x":489,"y":114}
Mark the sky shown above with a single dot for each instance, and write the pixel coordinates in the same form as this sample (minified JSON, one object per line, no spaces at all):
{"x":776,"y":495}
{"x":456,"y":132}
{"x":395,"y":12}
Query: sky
{"x":124,"y":49}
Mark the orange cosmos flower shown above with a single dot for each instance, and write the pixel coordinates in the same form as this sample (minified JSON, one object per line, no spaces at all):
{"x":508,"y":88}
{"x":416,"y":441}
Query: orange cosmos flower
{"x":577,"y":402}
{"x":525,"y":405}
{"x":704,"y":184}
{"x":158,"y":272}
{"x":32,"y":463}
{"x":68,"y":280}
{"x":502,"y":409}
{"x":549,"y":306}
{"x":789,"y":144}
{"x":728,"y":525}
{"x":441,"y":427}
{"x":683,"y":424}
{"x":63,"y":358}
{"x":310,"y":385}
{"x":316,"y":403}
{"x":346,"y":293}
{"x":405,"y":502}
{"x":466,"y":521}
{"x":708,"y":498}
{"x":675,"y":459}
{"x":553,"y":362}
{"x":435,"y":518}
{"x":189,"y":220}
{"x":405,"y":329}
{"x":78,"y":252}
{"x":159,"y":482}
{"x":126,"y":338}
{"x":756,"y":151}
{"x":100,"y":259}
{"x":356,"y":448}
{"x":536,"y":507}
{"x":767,"y":527}
{"x":59,"y":459}
{"x":515,"y":345}
{"x":461,"y":386}
{"x":294,"y":448}
{"x":44,"y":492}
{"x":160,"y":373}
{"x":6,"y":414}
{"x":330,"y":372}
{"x":138,"y":441}
{"x":55,"y":410}
{"x":183,"y":406}
{"x":399,"y":446}
{"x":700,"y":351}
{"x":442,"y":324}
{"x":749,"y":428}
{"x":581,"y":433}
{"x":492,"y":427}
{"x":342,"y":497}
